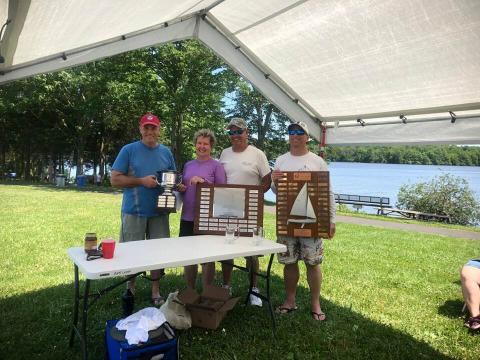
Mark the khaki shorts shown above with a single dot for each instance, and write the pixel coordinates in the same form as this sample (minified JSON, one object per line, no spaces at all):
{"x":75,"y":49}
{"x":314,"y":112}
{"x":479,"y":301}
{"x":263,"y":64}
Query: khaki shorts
{"x":310,"y":250}
{"x":141,"y":228}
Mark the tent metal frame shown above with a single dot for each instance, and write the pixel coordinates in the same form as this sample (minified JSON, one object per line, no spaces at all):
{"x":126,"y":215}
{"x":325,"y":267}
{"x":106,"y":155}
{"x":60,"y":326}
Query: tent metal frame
{"x":204,"y":27}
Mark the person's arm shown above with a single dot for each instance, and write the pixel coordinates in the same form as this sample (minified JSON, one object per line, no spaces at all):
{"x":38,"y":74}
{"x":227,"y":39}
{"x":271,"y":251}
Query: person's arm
{"x":182,"y":187}
{"x":264,"y":170}
{"x":276,"y":174}
{"x":266,"y":182}
{"x":122,"y":180}
{"x":332,"y":212}
{"x":331,"y":234}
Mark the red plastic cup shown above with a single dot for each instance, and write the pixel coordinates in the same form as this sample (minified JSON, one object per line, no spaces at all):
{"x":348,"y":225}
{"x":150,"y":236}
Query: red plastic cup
{"x":108,"y":248}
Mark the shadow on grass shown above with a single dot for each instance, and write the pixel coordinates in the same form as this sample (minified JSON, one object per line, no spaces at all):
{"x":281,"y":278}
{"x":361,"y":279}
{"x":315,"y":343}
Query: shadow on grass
{"x":67,"y":187}
{"x":37,"y":325}
{"x":451,"y":309}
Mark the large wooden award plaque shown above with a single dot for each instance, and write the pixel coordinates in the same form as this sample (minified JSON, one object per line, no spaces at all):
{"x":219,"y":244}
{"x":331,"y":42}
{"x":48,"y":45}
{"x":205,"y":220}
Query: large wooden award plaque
{"x":219,"y":205}
{"x":301,"y":187}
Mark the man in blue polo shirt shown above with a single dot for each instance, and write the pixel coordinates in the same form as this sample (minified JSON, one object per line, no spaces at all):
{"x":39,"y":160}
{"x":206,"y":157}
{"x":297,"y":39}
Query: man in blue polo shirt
{"x":135,"y":170}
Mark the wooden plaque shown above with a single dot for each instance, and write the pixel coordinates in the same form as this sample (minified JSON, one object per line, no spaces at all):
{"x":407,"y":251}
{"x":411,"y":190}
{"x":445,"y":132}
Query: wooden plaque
{"x":289,"y":187}
{"x":207,"y":219}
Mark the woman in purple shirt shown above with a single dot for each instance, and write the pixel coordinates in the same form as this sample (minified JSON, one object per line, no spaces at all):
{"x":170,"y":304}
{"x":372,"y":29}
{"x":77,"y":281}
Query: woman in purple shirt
{"x":202,"y":169}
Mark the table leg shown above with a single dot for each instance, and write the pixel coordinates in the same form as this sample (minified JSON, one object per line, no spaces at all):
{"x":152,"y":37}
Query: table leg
{"x":84,"y":318}
{"x":251,"y":273}
{"x":265,"y":297}
{"x":268,"y":291}
{"x":75,"y":306}
{"x":88,"y":300}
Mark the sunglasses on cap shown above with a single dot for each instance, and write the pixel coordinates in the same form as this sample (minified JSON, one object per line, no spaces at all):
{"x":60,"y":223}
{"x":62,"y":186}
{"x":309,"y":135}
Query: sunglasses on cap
{"x":296,"y":132}
{"x":235,"y":132}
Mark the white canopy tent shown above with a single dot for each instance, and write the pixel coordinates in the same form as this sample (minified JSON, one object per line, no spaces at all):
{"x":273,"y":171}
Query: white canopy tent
{"x":369,"y":72}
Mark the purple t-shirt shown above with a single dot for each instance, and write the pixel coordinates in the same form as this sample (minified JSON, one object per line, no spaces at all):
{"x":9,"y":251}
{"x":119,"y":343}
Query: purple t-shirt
{"x":211,"y":170}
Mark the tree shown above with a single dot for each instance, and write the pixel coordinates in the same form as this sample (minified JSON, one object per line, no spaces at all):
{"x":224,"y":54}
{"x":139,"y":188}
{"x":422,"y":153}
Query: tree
{"x":267,"y":125}
{"x":425,"y":155}
{"x":194,"y":81}
{"x":444,"y":195}
{"x":87,"y":113}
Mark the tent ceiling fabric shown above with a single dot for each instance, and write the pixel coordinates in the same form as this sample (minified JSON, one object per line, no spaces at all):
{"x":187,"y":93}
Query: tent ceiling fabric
{"x":463,"y":131}
{"x":368,"y":56}
{"x":56,"y":26}
{"x":339,"y":60}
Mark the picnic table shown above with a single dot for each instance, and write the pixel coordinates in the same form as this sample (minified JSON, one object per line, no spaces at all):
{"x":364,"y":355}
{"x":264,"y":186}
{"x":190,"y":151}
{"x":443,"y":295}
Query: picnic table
{"x":411,"y":214}
{"x":357,"y":201}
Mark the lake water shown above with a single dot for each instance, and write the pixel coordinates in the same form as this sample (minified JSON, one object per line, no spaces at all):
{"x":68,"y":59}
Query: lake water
{"x":386,"y":179}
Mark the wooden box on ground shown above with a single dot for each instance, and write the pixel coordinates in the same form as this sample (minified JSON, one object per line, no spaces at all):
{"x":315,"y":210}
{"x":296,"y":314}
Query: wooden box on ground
{"x":303,"y":204}
{"x":209,"y":308}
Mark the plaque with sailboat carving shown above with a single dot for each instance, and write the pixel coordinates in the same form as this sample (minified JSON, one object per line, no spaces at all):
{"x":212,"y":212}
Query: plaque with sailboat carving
{"x":303,"y":204}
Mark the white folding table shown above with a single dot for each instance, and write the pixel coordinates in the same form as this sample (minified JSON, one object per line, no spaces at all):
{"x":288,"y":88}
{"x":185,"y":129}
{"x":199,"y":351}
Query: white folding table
{"x":134,"y":258}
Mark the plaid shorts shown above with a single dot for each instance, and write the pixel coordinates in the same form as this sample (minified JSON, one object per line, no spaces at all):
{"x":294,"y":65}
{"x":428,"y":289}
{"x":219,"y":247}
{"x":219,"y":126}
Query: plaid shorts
{"x":310,"y":250}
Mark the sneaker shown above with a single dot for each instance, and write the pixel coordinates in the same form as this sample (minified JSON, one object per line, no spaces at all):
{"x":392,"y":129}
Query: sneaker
{"x":227,"y":287}
{"x":255,"y":300}
{"x":128,"y":303}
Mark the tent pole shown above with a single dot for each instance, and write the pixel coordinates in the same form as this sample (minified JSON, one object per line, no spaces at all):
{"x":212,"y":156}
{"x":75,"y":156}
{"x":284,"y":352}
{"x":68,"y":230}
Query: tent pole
{"x":323,"y":141}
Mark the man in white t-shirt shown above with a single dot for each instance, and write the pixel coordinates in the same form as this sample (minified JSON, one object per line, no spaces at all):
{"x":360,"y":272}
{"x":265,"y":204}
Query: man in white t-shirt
{"x":310,"y":250}
{"x":244,"y":164}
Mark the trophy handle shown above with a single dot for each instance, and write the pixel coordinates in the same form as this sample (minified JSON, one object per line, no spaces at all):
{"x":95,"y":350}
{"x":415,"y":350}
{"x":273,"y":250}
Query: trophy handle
{"x":156,"y":180}
{"x":179,"y":178}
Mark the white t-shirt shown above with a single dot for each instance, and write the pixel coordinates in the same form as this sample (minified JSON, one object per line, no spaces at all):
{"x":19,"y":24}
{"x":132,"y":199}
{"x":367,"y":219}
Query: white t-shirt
{"x":307,"y":162}
{"x":245,"y":168}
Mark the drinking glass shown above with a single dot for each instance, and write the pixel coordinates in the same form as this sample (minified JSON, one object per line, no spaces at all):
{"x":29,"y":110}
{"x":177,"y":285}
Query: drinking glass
{"x":230,"y":233}
{"x":258,"y":235}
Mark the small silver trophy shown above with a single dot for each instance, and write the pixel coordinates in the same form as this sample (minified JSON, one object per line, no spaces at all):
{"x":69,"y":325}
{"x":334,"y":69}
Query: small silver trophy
{"x":166,"y":200}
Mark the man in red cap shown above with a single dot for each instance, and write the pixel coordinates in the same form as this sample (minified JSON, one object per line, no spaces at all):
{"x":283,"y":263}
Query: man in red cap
{"x":134,"y":170}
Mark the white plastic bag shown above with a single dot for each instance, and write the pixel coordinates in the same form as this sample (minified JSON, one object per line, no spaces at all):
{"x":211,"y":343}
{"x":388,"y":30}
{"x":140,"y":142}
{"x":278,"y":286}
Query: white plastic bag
{"x":176,"y":313}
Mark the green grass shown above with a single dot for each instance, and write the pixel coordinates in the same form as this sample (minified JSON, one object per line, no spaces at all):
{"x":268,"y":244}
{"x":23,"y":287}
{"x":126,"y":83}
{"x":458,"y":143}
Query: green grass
{"x":387,"y":294}
{"x":344,"y":210}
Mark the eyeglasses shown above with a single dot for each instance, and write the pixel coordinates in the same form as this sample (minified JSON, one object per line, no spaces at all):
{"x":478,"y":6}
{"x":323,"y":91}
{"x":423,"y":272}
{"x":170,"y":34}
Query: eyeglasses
{"x":296,"y":132}
{"x":95,"y":254}
{"x":235,"y":132}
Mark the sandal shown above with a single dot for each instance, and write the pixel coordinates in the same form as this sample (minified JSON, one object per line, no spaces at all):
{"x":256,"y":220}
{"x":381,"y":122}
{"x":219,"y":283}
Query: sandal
{"x":320,"y":316}
{"x":158,"y":301}
{"x":281,"y":310}
{"x":473,"y":323}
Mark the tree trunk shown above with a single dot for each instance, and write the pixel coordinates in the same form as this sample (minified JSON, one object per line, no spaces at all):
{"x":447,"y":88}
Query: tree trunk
{"x":3,"y":163}
{"x":27,"y":162}
{"x":177,"y":140}
{"x":79,"y":157}
{"x":102,"y":158}
{"x":19,"y":165}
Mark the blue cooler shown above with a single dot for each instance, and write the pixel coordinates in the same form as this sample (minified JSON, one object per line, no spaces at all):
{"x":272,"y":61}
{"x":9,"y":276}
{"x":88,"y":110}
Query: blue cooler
{"x":162,"y":344}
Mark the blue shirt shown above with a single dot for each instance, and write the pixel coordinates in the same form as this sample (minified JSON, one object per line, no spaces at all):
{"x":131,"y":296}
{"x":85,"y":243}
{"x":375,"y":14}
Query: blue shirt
{"x":138,"y":160}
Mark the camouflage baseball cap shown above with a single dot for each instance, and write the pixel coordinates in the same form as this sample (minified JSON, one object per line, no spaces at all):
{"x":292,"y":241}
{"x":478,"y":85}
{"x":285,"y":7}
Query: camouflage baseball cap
{"x":238,"y":122}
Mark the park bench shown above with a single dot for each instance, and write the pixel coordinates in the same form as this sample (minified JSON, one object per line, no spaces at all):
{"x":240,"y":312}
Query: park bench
{"x":411,"y":214}
{"x":357,"y":201}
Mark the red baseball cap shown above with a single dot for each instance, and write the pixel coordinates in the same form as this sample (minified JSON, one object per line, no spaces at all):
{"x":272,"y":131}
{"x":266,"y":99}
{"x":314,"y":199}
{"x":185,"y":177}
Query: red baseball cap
{"x":149,"y":119}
